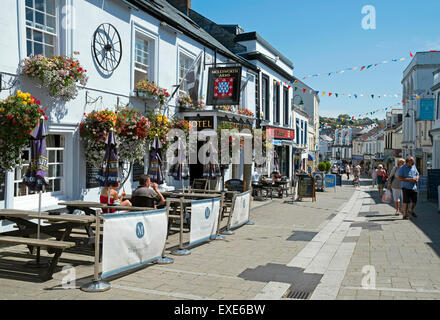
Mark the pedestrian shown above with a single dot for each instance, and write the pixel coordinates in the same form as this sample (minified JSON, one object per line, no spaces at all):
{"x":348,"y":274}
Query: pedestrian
{"x":373,"y":176}
{"x":408,"y":176}
{"x":394,"y":185}
{"x":381,"y":178}
{"x":347,"y":171}
{"x":335,"y":169}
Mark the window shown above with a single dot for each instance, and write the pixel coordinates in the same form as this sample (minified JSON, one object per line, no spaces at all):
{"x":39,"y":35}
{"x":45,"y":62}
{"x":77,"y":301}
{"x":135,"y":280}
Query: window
{"x":185,"y":62}
{"x":302,"y":131}
{"x":297,"y":131}
{"x":438,"y":106}
{"x":41,"y":30}
{"x":286,"y":105}
{"x":142,"y":59}
{"x":55,"y":152}
{"x":265,"y":97}
{"x":276,"y":103}
{"x":305,"y":130}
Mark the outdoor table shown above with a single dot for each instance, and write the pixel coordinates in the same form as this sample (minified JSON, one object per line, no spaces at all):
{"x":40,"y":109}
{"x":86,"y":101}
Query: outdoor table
{"x":59,"y":227}
{"x":86,"y":206}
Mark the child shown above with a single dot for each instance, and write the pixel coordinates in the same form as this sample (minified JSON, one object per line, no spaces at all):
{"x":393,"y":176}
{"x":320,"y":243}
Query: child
{"x":356,"y":181}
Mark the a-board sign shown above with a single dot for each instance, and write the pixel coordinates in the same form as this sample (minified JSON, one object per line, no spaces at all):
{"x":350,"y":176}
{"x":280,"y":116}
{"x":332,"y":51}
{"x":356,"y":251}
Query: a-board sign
{"x":319,"y":180}
{"x":200,"y":184}
{"x":433,"y":183}
{"x":422,"y":185}
{"x":330,"y":180}
{"x":91,"y":173}
{"x":138,"y":170}
{"x":339,"y":180}
{"x":306,"y":187}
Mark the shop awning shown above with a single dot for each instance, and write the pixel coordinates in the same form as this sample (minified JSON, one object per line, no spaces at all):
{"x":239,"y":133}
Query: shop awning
{"x":279,"y":142}
{"x":311,"y":157}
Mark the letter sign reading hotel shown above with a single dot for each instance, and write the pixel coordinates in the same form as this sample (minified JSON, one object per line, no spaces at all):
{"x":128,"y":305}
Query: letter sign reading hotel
{"x":279,"y":133}
{"x":224,"y":86}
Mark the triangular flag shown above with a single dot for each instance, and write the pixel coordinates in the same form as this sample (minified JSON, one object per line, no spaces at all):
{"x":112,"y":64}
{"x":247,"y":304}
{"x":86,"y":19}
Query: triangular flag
{"x":411,"y":55}
{"x":369,"y":66}
{"x":304,"y":90}
{"x":296,"y":88}
{"x":336,"y":95}
{"x":329,"y":94}
{"x":363,"y":68}
{"x":372,"y":96}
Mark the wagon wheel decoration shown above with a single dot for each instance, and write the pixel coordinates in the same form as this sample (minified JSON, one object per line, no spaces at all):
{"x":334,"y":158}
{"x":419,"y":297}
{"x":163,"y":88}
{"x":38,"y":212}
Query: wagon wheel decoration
{"x":107,"y":47}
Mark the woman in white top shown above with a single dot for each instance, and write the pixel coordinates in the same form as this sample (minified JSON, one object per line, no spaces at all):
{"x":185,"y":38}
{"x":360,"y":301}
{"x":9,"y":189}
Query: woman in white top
{"x":394,"y":184}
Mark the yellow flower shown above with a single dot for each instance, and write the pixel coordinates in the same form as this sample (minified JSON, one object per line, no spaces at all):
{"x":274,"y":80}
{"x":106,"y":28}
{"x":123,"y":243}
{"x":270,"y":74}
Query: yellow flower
{"x":2,"y":109}
{"x":24,"y":102}
{"x":18,"y":92}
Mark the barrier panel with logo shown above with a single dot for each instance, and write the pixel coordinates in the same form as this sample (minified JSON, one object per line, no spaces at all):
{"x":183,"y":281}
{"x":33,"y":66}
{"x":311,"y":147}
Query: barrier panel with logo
{"x":204,"y":219}
{"x":132,"y":239}
{"x":240,"y":212}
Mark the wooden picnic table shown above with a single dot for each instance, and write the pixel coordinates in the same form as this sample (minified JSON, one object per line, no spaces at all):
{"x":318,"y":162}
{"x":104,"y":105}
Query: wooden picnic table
{"x":191,"y":195}
{"x":59,"y":227}
{"x":87,"y":205}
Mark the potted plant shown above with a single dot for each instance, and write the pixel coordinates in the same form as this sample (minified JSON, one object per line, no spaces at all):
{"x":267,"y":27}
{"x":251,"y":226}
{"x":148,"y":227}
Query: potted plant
{"x":59,"y":74}
{"x":19,"y":115}
{"x":246,"y":112}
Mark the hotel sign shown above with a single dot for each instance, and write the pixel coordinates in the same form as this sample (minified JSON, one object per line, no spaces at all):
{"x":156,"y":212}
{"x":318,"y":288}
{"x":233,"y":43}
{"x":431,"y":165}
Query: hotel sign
{"x":280,"y":133}
{"x":224,"y":86}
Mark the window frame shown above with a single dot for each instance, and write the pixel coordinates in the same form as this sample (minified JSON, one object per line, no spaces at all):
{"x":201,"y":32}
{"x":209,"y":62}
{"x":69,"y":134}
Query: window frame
{"x":276,"y":103}
{"x":56,"y":35}
{"x":188,"y":55}
{"x":265,"y":96}
{"x":286,"y":105}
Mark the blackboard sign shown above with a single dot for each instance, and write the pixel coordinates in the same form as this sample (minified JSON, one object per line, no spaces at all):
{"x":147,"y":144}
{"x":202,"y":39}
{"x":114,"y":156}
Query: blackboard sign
{"x":138,"y":170}
{"x":306,"y":187}
{"x":339,"y":180}
{"x":91,"y":173}
{"x":433,"y":183}
{"x":234,"y":185}
{"x":200,"y":184}
{"x":319,"y":180}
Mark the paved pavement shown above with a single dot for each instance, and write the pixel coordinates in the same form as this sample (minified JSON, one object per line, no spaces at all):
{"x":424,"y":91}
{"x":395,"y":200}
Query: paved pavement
{"x":333,"y":248}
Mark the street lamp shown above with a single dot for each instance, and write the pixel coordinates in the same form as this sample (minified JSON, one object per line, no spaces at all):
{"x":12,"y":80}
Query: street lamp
{"x":301,"y":103}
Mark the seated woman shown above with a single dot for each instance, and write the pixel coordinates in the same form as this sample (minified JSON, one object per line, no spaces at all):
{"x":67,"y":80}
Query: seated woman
{"x":276,"y":176}
{"x":114,"y":196}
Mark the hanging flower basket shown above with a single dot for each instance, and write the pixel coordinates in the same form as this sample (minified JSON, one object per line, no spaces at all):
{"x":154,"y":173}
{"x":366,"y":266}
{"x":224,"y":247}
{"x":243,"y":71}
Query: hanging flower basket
{"x":59,"y":74}
{"x":94,"y":131}
{"x":187,"y":104}
{"x":151,"y":92}
{"x":245,"y":112}
{"x":131,"y":135}
{"x":19,"y":115}
{"x":159,"y":125}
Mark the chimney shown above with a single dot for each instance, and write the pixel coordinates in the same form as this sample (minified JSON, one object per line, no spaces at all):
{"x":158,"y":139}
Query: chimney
{"x":182,"y":5}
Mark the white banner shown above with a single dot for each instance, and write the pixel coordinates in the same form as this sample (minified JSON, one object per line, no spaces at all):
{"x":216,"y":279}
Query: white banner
{"x":204,"y":220}
{"x":132,"y":239}
{"x":240,"y":214}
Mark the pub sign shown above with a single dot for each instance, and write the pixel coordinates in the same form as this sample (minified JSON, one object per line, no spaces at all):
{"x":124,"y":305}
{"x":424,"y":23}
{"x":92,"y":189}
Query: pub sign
{"x":224,"y":86}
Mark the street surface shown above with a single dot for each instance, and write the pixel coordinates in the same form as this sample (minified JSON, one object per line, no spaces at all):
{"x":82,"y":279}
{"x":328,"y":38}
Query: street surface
{"x":346,"y":245}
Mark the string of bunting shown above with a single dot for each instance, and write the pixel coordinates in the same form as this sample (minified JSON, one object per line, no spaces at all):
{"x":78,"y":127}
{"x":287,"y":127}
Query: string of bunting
{"x":361,"y":68}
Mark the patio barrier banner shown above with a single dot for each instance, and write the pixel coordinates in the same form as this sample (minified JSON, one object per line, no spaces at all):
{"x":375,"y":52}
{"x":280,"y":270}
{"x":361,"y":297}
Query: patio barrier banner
{"x":132,"y":239}
{"x":240,"y":214}
{"x":204,"y":219}
{"x":330,"y":181}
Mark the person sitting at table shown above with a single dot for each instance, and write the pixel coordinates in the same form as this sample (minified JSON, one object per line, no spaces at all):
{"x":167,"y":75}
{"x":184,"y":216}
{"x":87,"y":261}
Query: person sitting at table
{"x":114,"y":196}
{"x":148,"y":189}
{"x":276,"y":176}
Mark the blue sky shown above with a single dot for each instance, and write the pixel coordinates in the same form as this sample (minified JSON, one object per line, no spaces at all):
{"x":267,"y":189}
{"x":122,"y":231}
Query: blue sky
{"x":324,"y":36}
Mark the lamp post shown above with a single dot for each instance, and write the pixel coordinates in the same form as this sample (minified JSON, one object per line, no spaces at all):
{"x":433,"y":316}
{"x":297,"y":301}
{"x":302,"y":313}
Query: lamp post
{"x":301,"y":103}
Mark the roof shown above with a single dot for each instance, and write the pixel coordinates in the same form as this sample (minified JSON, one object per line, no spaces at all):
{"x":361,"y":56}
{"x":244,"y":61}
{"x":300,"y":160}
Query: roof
{"x":248,"y":36}
{"x":166,"y":12}
{"x":268,"y":62}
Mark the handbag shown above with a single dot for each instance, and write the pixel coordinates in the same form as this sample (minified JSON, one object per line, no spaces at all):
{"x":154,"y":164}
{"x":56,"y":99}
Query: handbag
{"x":387,"y":197}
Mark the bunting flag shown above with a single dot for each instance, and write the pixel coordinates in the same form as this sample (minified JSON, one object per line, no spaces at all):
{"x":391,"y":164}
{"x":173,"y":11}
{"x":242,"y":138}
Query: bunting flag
{"x":362,"y":67}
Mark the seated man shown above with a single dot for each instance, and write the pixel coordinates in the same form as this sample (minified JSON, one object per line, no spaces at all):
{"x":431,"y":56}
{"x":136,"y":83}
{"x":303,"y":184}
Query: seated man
{"x":144,"y":190}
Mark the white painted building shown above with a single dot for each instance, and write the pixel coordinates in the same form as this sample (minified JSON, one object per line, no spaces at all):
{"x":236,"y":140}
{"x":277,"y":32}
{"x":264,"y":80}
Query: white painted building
{"x":158,"y":42}
{"x":418,"y":108}
{"x":435,"y":132}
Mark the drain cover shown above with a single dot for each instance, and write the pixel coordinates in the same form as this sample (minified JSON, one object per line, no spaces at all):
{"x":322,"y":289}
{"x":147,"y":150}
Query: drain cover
{"x":297,"y":294}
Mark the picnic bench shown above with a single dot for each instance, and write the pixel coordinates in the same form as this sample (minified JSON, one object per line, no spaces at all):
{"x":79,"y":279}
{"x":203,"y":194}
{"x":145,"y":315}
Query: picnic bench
{"x":58,"y":227}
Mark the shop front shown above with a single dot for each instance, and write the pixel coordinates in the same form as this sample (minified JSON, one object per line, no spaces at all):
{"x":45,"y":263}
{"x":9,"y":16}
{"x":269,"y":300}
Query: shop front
{"x":283,"y":140}
{"x":214,"y":120}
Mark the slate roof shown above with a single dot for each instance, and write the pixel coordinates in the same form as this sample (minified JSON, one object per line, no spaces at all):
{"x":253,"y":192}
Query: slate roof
{"x":164,"y":11}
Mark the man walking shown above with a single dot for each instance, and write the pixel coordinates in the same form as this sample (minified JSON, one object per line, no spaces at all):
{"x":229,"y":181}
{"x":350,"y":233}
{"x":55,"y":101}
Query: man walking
{"x":409,"y":176}
{"x":347,"y":171}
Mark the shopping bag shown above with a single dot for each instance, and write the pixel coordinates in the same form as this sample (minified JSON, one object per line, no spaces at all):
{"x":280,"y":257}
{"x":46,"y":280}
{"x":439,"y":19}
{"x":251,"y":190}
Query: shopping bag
{"x":387,"y":197}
